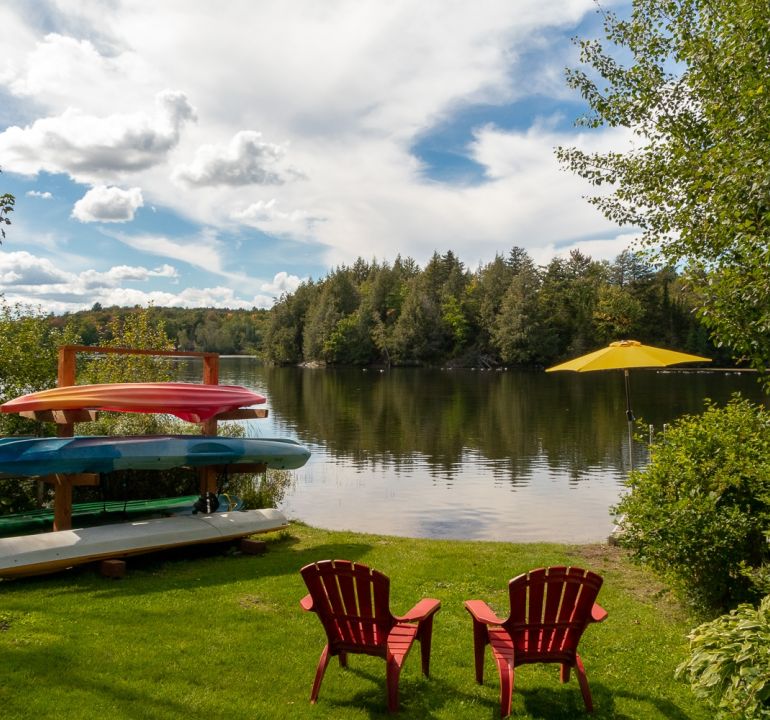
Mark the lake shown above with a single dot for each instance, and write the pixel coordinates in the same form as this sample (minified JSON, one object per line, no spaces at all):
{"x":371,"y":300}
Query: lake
{"x":493,"y":455}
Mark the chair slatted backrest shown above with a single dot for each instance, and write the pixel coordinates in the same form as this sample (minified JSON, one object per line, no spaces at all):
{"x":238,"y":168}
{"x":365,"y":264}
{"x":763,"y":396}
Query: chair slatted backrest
{"x":352,"y":602}
{"x":550,"y":608}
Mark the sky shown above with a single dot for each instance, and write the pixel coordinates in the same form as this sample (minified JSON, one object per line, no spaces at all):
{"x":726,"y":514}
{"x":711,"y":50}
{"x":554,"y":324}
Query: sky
{"x":202,"y":154}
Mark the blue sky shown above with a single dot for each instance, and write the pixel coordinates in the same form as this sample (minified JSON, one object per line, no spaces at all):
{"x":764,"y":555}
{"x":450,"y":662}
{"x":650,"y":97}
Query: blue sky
{"x":183,"y":155}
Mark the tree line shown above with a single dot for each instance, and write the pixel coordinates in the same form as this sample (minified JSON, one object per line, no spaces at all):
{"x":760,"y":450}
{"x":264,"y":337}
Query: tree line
{"x":507,"y":312}
{"x":226,"y":331}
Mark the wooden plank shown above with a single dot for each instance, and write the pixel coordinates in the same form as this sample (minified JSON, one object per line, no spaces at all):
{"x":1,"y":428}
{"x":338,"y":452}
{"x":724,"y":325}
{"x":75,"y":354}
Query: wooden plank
{"x":113,"y":568}
{"x":207,"y":479}
{"x":80,"y":479}
{"x":66,"y":378}
{"x":61,"y":417}
{"x":62,"y":505}
{"x":243,"y":414}
{"x":97,"y":349}
{"x":211,"y":369}
{"x":210,"y":377}
{"x":66,"y":370}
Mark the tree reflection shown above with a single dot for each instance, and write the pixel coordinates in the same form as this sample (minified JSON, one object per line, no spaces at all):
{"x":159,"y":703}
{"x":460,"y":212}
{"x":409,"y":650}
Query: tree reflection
{"x":509,"y":425}
{"x":508,"y":420}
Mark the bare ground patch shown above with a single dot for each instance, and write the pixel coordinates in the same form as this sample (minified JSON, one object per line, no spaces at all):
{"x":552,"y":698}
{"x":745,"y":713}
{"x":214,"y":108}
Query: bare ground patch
{"x":639,"y":582}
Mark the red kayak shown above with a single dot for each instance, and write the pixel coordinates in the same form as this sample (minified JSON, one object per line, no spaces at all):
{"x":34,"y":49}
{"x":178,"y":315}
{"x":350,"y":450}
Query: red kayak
{"x":192,"y":402}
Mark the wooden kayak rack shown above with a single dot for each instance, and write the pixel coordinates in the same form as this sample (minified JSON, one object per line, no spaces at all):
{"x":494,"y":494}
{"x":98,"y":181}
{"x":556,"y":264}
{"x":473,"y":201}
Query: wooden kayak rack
{"x":65,"y":421}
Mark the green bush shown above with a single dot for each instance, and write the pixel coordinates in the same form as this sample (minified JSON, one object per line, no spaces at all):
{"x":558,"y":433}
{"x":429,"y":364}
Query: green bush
{"x":260,"y":491}
{"x":729,"y":662}
{"x":139,"y":331}
{"x":29,"y":348}
{"x":699,"y":511}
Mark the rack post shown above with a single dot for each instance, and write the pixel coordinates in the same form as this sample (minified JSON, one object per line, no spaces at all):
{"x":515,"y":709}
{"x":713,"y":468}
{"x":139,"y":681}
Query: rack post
{"x":208,"y":476}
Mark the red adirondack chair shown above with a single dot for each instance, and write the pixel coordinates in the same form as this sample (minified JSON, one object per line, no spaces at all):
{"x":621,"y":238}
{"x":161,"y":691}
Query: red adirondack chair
{"x":352,"y":602}
{"x":550,"y":609}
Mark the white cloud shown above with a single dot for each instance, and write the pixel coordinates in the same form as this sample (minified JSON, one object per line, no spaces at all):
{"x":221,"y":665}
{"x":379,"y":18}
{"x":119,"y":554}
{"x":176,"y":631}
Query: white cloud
{"x":282,"y":283}
{"x":88,"y":147}
{"x":116,"y":276}
{"x":60,"y":67}
{"x":342,"y":91}
{"x":266,"y":210}
{"x":266,"y":215}
{"x":245,"y":160}
{"x":607,"y":248}
{"x":23,"y":268}
{"x":220,"y":297}
{"x":108,"y":204}
{"x":34,"y":280}
{"x":37,"y":194}
{"x":202,"y":251}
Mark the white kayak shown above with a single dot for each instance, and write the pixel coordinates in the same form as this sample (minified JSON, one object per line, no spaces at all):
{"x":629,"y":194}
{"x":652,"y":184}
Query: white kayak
{"x":51,"y":551}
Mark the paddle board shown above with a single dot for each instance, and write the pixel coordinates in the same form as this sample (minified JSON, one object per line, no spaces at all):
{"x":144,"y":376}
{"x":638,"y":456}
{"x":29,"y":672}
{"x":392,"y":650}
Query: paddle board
{"x":103,"y":453}
{"x":192,"y":402}
{"x":48,"y":552}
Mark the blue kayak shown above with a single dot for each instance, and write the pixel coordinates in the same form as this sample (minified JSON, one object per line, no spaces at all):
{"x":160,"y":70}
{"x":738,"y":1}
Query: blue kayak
{"x":102,"y":454}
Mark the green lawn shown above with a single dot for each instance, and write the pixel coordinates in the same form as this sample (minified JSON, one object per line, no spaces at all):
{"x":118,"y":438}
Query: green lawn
{"x":224,"y":637}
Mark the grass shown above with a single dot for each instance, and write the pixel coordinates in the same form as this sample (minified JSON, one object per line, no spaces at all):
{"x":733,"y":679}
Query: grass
{"x":216,"y":636}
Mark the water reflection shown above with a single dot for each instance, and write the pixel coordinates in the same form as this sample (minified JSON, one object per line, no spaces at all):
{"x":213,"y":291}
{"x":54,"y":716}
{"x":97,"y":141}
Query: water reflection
{"x":489,"y":455}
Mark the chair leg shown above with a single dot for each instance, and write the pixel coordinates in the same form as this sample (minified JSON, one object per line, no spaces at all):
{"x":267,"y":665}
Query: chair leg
{"x":343,"y":656}
{"x":564,"y":673}
{"x":425,"y":635}
{"x":480,"y":640}
{"x":319,"y":674}
{"x":583,"y":680}
{"x":506,"y":670}
{"x":393,"y":673}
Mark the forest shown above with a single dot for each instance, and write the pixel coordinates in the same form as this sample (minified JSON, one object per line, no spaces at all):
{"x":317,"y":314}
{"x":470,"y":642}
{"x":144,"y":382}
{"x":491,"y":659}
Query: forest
{"x":508,"y":312}
{"x":229,"y":332}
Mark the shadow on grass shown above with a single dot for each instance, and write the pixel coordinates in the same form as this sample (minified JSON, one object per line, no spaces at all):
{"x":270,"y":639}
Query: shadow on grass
{"x":566,"y":702}
{"x":419,"y":697}
{"x":53,"y":674}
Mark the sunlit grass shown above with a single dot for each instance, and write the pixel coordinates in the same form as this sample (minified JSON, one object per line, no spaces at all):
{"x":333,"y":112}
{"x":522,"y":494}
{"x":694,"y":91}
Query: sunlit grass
{"x":223,"y":636}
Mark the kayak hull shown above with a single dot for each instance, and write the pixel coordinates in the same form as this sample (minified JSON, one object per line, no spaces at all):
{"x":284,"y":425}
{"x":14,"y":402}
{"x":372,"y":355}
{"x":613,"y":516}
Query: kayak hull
{"x":192,"y":402}
{"x":104,"y":454}
{"x":53,"y":551}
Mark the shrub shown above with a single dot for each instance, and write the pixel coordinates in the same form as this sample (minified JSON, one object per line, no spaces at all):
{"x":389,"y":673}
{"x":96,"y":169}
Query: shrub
{"x":29,"y":348}
{"x":137,"y":330}
{"x":28,"y":356}
{"x":699,"y":511}
{"x":729,"y":662}
{"x":261,"y":491}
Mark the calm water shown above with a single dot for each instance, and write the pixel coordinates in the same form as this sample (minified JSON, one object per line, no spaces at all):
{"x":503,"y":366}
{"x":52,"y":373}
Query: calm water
{"x":466,"y":454}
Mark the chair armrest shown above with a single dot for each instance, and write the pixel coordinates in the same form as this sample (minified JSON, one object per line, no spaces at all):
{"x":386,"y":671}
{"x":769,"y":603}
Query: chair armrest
{"x":424,"y":609}
{"x":598,"y":613}
{"x":481,"y":612}
{"x":307,"y":603}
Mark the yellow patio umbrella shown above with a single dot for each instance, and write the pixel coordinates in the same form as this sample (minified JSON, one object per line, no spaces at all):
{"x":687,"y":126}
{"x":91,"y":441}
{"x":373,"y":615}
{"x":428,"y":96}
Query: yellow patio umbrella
{"x":622,"y":355}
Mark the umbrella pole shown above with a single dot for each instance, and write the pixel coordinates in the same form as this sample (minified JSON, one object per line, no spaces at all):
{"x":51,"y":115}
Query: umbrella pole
{"x":630,"y":418}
